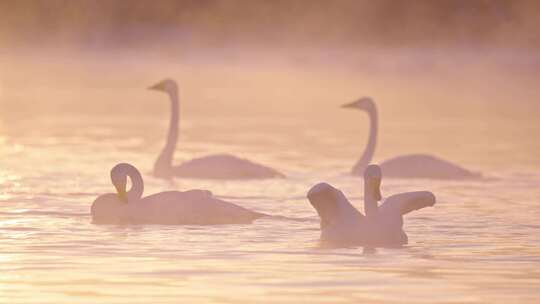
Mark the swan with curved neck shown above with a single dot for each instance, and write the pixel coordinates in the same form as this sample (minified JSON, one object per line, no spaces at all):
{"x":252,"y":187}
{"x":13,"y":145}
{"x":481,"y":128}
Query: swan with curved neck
{"x":193,"y":207}
{"x":219,"y":166}
{"x":404,"y":166}
{"x":381,"y":226}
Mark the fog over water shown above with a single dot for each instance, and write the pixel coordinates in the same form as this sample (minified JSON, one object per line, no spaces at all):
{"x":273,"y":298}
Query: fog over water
{"x":265,"y":80}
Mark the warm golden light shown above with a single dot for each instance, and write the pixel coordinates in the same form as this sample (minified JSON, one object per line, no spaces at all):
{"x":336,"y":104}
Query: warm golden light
{"x":243,"y":175}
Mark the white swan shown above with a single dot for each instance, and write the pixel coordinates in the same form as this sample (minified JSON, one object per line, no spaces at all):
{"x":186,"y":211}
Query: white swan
{"x":343,"y":225}
{"x":404,"y":166}
{"x":193,"y":207}
{"x":220,"y":166}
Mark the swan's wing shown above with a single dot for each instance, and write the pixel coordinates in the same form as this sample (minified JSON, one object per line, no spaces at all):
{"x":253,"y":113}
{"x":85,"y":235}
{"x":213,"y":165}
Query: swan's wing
{"x":193,"y":207}
{"x":324,"y":199}
{"x":224,"y":166}
{"x":197,"y":193}
{"x":224,"y":212}
{"x":332,"y":205}
{"x":404,"y":203}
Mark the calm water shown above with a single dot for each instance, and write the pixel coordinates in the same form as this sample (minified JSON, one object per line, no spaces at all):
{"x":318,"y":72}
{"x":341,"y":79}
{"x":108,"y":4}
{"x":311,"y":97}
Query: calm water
{"x":479,"y":244}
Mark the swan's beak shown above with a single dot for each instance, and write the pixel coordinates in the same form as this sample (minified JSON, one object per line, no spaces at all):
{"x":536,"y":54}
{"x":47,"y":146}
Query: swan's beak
{"x":157,"y":87}
{"x":377,"y":193}
{"x":374,"y":186}
{"x":122,"y":195}
{"x":350,"y":105}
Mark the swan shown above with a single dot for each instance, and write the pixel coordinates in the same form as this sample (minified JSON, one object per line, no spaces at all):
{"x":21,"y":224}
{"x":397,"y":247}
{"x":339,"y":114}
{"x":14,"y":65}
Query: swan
{"x":382,"y":226}
{"x":193,"y":207}
{"x":404,"y":166}
{"x":219,"y":166}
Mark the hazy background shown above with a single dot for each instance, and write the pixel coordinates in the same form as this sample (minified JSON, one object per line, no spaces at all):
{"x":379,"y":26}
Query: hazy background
{"x":357,"y":23}
{"x":450,"y":77}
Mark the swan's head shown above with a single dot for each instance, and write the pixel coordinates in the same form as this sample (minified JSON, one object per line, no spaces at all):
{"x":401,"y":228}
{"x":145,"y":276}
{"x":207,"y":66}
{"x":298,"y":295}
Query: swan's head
{"x":364,"y":103}
{"x":325,"y":199}
{"x":112,"y":208}
{"x":372,"y":182}
{"x":166,"y":85}
{"x":119,"y":174}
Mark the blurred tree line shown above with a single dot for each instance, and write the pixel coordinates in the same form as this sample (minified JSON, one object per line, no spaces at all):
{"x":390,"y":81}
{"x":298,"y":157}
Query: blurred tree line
{"x":298,"y":22}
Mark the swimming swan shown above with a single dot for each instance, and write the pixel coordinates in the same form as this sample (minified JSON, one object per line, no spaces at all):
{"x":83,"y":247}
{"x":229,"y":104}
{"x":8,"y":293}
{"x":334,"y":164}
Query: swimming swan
{"x":193,"y":207}
{"x":382,"y":226}
{"x":220,"y":166}
{"x":405,"y":166}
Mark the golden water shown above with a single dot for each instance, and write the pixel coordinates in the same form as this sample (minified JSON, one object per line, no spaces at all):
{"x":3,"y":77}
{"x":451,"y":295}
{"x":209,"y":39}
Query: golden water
{"x":66,"y":122}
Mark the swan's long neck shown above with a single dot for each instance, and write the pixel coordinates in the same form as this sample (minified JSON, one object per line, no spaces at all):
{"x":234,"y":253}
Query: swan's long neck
{"x":370,"y":203}
{"x":163,"y":163}
{"x":137,"y":184}
{"x":365,"y":160}
{"x":372,"y":190}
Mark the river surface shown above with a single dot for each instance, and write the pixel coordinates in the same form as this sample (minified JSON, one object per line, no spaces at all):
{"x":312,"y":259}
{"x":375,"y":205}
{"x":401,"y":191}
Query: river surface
{"x":479,"y":244}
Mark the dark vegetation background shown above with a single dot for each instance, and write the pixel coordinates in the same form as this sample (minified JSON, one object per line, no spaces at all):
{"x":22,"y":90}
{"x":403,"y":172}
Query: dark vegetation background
{"x":386,"y":23}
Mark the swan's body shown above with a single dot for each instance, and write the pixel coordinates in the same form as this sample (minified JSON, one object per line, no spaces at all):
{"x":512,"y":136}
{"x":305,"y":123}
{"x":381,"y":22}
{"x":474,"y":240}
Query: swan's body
{"x":221,"y":166}
{"x":193,"y":207}
{"x":382,"y":226}
{"x":404,"y":166}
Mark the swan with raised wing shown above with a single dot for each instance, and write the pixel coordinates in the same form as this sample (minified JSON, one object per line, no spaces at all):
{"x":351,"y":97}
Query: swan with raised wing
{"x":404,"y":166}
{"x":219,"y":166}
{"x":193,"y":207}
{"x":382,"y":226}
